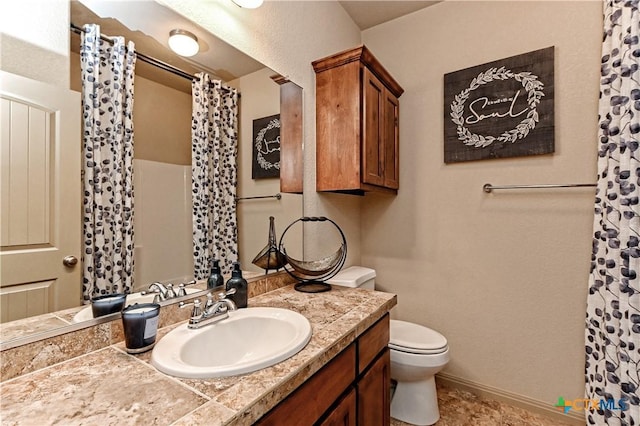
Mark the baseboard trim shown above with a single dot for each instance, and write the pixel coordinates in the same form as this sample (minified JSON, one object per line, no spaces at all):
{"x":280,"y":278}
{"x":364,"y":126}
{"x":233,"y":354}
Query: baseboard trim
{"x":539,"y":407}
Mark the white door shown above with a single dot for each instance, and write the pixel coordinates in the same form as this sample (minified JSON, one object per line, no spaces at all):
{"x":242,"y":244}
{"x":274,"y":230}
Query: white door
{"x":40,"y":156}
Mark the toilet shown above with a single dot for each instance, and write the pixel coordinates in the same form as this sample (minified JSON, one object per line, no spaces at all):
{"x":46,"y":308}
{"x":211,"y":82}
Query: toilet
{"x":417,"y":354}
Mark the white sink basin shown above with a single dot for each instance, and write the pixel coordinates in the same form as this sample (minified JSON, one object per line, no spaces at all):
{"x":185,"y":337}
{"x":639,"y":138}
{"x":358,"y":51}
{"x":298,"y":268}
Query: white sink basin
{"x":86,"y":314}
{"x":250,"y":339}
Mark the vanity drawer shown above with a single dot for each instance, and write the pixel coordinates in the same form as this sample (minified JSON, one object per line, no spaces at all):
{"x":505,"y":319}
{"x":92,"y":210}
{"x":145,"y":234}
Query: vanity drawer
{"x":372,"y":342}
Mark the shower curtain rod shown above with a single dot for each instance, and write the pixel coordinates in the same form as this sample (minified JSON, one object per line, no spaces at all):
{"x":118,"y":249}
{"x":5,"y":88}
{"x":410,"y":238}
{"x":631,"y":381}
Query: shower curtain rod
{"x":278,"y":196}
{"x":487,"y":187}
{"x":148,"y":59}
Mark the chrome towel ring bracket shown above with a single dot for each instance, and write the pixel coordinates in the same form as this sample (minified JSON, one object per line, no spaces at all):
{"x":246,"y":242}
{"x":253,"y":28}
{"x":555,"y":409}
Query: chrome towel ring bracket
{"x":312,"y":274}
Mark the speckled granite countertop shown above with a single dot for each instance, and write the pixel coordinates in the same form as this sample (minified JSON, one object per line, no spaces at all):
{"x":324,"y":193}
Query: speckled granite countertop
{"x":110,"y":387}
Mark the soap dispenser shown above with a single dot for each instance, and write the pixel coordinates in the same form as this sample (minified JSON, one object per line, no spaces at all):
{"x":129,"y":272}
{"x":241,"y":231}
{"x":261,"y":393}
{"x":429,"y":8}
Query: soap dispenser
{"x":215,"y":279}
{"x":240,"y":284}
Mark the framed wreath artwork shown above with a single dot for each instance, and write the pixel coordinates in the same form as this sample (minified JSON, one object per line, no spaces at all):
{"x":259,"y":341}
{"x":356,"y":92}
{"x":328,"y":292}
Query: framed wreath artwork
{"x":266,"y":147}
{"x":500,"y":109}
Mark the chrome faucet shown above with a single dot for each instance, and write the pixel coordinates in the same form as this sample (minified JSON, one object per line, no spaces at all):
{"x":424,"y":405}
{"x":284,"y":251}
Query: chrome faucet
{"x":160,"y":289}
{"x":165,"y":292}
{"x":213,"y":311}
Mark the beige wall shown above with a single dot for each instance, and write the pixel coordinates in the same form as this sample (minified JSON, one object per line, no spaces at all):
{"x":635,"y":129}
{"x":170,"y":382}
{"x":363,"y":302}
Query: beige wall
{"x":163,"y":223}
{"x":260,"y":98}
{"x":503,"y":276}
{"x":34,"y":40}
{"x":162,"y":123}
{"x":162,"y":119}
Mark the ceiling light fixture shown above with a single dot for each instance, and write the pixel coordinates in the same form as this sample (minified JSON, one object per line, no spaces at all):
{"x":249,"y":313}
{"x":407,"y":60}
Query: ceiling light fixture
{"x":183,"y":42}
{"x":249,"y":4}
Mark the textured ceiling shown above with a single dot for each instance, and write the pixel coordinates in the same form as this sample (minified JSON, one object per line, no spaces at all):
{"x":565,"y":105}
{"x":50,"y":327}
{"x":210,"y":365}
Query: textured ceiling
{"x":367,"y":14}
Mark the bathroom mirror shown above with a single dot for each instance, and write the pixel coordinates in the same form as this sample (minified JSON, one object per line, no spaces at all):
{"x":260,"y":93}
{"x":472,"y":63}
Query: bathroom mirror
{"x":162,"y":158}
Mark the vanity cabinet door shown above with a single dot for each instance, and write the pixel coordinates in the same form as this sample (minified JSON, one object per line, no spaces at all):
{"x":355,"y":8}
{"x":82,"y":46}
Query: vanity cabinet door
{"x":374,"y":393}
{"x":344,"y":414}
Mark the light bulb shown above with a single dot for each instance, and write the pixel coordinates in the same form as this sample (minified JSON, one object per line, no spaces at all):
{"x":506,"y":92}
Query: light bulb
{"x":183,"y":42}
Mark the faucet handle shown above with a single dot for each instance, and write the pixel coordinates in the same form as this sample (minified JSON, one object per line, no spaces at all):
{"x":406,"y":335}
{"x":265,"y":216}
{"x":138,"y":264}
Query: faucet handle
{"x":224,"y":294}
{"x":171,"y":293}
{"x":228,"y":304}
{"x":181,"y":290}
{"x":196,"y":313}
{"x":210,"y":301}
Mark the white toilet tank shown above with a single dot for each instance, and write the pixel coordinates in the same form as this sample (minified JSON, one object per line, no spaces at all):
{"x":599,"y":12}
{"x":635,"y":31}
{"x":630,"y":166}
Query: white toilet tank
{"x":355,"y":276}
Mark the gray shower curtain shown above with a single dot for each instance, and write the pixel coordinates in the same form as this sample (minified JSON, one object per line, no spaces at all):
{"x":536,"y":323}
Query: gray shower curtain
{"x":613,"y":304}
{"x":214,"y":152}
{"x":107,"y":72}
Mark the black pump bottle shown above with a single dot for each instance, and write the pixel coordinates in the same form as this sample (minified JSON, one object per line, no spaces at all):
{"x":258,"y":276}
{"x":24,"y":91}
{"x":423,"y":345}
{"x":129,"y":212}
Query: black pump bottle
{"x":215,"y":279}
{"x":240,"y":284}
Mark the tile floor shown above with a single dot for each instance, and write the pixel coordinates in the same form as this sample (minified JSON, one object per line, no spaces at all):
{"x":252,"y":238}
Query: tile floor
{"x":460,"y":408}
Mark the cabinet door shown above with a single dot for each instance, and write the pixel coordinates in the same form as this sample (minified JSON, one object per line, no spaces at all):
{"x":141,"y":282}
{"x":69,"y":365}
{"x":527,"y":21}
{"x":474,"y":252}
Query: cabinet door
{"x":373,"y":99}
{"x":390,"y":141}
{"x":344,"y":414}
{"x":374,"y":398}
{"x":314,"y":397}
{"x":338,"y":128}
{"x":290,"y":138}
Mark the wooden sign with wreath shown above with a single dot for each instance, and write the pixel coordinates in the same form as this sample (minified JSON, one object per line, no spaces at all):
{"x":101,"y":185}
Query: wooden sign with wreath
{"x":500,"y":109}
{"x":266,"y":147}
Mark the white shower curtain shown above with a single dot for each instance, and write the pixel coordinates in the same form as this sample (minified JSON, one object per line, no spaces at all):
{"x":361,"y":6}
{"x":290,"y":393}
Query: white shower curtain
{"x":214,"y":153}
{"x":107,"y":105}
{"x":613,"y":305}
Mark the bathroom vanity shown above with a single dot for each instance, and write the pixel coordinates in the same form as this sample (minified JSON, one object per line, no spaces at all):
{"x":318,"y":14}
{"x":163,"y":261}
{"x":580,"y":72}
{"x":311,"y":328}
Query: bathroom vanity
{"x":342,"y":373}
{"x":353,"y":385}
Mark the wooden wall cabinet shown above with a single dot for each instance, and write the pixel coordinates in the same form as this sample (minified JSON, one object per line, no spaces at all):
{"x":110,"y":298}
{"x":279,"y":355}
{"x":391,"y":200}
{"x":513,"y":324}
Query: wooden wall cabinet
{"x":291,"y":161}
{"x":357,"y":110}
{"x":352,"y":389}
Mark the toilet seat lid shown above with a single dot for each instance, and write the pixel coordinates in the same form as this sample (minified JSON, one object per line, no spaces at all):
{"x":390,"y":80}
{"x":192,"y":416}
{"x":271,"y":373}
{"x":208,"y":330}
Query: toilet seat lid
{"x":414,"y":338}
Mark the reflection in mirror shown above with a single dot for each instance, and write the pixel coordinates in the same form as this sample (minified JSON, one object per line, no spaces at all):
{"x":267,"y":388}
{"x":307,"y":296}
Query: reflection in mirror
{"x":162,"y":158}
